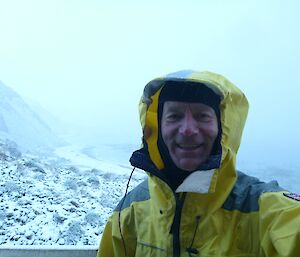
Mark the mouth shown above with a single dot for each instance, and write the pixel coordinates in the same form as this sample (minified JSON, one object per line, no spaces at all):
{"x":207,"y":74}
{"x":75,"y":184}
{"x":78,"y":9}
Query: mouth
{"x":189,"y":147}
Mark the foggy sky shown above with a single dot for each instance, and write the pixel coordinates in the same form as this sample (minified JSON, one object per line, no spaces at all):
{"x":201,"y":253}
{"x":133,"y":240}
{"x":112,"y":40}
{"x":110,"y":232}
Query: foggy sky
{"x":86,"y":62}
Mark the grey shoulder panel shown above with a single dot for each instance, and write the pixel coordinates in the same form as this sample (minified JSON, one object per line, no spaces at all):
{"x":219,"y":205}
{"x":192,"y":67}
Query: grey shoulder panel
{"x":138,"y":194}
{"x":246,"y":192}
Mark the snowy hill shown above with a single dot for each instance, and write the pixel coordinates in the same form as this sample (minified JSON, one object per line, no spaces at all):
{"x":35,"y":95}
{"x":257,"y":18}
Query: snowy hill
{"x":63,"y":196}
{"x":19,"y":123}
{"x":51,"y":202}
{"x":56,"y":125}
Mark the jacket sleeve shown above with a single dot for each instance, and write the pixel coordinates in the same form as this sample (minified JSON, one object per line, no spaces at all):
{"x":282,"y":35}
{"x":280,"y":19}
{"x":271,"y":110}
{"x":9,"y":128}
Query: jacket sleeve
{"x":279,"y":225}
{"x":112,"y":244}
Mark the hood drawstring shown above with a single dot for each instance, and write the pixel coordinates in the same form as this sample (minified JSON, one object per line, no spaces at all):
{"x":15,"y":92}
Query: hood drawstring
{"x":190,"y":249}
{"x":119,"y":217}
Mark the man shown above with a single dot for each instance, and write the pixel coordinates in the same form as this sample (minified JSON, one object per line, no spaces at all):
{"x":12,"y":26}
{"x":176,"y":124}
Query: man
{"x":195,"y":202}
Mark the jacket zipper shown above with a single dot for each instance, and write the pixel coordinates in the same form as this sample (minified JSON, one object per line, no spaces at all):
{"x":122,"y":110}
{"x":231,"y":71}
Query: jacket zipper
{"x":175,"y":228}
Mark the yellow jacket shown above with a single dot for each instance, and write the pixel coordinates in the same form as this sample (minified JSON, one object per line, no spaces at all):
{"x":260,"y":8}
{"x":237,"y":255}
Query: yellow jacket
{"x":214,"y":213}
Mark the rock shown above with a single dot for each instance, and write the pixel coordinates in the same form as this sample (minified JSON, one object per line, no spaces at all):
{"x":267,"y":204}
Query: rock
{"x":34,"y":166}
{"x":29,"y":235}
{"x":58,"y":219}
{"x":61,"y":241}
{"x":94,"y":181}
{"x":11,"y":186}
{"x":74,"y":233}
{"x":71,"y":184}
{"x":75,"y":203}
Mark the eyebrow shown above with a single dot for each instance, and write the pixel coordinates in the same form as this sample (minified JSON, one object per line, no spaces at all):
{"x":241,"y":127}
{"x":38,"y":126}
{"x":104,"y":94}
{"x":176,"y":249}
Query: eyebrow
{"x":175,"y":108}
{"x":172,"y":109}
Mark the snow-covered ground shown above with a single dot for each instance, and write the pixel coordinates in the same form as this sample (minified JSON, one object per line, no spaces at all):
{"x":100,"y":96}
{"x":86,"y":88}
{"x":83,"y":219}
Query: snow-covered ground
{"x":75,"y":156}
{"x":66,"y":198}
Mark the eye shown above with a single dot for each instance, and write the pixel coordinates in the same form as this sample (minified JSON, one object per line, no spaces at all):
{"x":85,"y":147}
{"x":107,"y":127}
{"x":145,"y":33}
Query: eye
{"x":173,"y":117}
{"x":203,"y":116}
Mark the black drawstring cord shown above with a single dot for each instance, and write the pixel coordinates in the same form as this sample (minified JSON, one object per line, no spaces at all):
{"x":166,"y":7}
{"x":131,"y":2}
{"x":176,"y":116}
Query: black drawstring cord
{"x":190,"y":249}
{"x":119,"y":218}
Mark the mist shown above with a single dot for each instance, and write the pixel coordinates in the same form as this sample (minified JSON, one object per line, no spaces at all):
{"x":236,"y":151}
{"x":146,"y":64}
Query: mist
{"x":86,"y":63}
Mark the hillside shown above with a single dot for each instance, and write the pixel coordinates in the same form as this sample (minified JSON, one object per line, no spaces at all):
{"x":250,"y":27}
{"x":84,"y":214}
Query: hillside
{"x":19,"y":123}
{"x":49,"y":201}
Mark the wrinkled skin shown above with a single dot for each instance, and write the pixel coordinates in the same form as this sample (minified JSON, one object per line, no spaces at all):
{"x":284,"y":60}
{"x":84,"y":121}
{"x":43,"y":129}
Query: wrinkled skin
{"x":189,"y":131}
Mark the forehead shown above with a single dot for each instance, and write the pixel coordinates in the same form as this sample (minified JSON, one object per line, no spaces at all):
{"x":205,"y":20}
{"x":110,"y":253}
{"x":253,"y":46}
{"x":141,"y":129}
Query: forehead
{"x":170,"y":106}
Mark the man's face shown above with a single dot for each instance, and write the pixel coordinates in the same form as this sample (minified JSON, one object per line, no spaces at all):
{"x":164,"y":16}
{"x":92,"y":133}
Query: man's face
{"x":189,"y":131}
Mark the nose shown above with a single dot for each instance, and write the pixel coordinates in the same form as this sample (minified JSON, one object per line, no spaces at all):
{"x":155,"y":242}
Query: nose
{"x":188,"y":126}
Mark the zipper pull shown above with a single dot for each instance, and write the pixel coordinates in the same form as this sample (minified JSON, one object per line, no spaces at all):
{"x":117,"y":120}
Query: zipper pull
{"x":190,"y":249}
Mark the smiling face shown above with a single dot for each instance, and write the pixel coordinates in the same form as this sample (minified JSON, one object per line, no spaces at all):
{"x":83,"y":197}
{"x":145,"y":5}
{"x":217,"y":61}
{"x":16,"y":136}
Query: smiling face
{"x":189,"y":131}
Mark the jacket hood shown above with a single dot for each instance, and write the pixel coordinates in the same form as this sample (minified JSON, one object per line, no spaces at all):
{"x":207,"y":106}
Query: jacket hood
{"x":233,"y":114}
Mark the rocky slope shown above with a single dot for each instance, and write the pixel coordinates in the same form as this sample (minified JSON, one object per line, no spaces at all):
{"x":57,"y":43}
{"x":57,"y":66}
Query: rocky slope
{"x":47,"y":201}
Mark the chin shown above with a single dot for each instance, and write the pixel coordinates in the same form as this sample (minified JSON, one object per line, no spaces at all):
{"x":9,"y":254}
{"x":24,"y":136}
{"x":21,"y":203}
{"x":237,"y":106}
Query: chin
{"x":188,"y":167}
{"x":188,"y":170}
{"x":185,"y":163}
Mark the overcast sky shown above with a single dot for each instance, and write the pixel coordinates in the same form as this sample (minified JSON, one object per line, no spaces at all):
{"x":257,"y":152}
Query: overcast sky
{"x":86,"y":61}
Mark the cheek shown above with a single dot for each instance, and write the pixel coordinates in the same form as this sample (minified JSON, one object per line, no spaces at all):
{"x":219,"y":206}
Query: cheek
{"x":215,"y":132}
{"x":164,"y":134}
{"x":212,"y":131}
{"x":167,"y":132}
